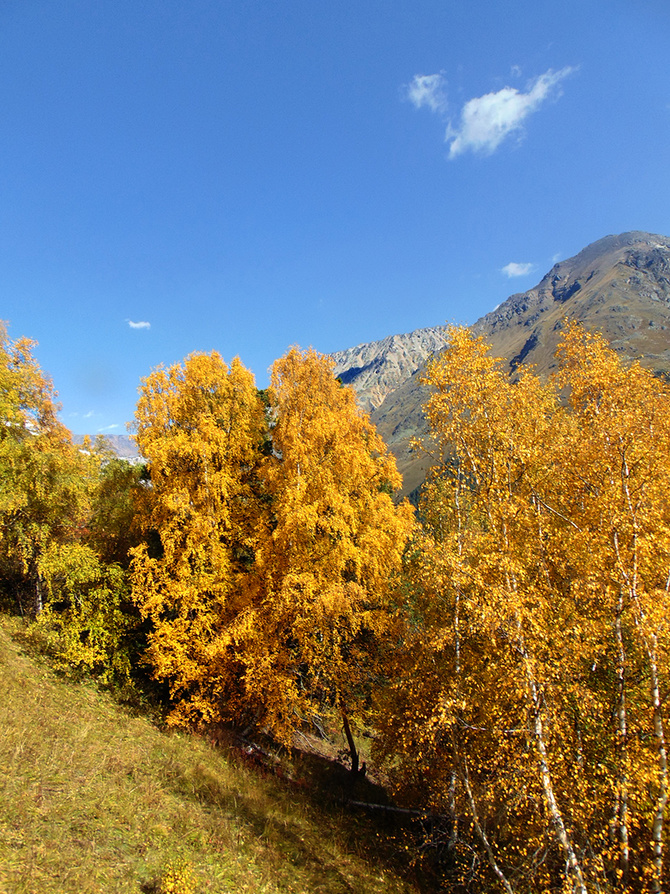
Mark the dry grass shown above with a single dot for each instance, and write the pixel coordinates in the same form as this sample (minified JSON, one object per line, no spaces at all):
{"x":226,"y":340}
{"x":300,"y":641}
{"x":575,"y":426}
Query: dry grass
{"x":95,"y":800}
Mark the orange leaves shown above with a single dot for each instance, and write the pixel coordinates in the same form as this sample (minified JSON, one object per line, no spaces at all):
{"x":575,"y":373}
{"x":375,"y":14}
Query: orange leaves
{"x":271,"y":583}
{"x":325,"y":565}
{"x":537,"y":637}
{"x":200,"y":426}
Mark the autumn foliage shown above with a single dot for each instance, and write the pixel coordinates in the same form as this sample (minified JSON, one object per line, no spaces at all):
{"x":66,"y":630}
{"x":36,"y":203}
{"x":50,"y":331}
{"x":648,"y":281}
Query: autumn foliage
{"x":508,"y":649}
{"x":199,"y":425}
{"x":50,"y":490}
{"x":272,"y":541}
{"x":328,"y":552}
{"x":528,"y":698}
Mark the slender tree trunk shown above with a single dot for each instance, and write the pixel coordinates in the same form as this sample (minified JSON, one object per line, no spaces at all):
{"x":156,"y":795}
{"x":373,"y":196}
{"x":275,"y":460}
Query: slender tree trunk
{"x":537,"y":730}
{"x":39,"y":594}
{"x":556,"y":818}
{"x":353,"y":753}
{"x":661,"y":752}
{"x":650,"y":644}
{"x":480,"y":831}
{"x":453,"y":838}
{"x":622,"y":721}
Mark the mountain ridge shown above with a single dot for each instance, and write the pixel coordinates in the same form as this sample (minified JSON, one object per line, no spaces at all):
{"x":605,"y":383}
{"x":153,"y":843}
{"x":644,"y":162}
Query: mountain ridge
{"x":618,"y":285}
{"x":375,"y":369}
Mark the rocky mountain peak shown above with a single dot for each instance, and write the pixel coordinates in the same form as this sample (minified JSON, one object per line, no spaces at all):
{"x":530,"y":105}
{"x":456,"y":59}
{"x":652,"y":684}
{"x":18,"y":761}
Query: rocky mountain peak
{"x":376,"y":369}
{"x":619,"y":286}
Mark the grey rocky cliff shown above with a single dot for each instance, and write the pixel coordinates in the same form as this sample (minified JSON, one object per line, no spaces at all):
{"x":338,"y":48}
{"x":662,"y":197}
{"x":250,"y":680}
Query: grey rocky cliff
{"x":376,"y":369}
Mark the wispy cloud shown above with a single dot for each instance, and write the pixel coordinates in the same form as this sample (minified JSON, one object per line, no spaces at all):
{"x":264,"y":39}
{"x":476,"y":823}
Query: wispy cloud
{"x":429,"y":91}
{"x":513,"y":269}
{"x":142,"y":325}
{"x":487,"y":120}
{"x":109,"y":427}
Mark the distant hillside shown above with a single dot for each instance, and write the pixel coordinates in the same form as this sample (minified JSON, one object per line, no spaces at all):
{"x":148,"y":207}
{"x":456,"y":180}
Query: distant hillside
{"x":619,"y":286}
{"x":376,"y":369}
{"x":122,"y":445}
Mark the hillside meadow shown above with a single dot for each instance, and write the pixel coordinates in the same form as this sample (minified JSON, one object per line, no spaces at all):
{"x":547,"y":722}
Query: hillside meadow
{"x":95,"y":800}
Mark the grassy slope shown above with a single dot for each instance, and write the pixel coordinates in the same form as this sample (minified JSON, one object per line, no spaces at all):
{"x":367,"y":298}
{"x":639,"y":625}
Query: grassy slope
{"x":94,"y":800}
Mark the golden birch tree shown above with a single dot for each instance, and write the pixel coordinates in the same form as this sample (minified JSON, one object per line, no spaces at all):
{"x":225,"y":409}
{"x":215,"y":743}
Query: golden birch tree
{"x":44,"y":478}
{"x":618,"y":500}
{"x":529,"y":695}
{"x":200,"y":426}
{"x":327,"y":555}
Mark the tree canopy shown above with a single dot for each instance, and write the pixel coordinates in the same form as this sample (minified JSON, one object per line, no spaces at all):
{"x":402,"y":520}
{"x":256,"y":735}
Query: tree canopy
{"x":327,"y":552}
{"x":199,"y":425}
{"x":44,"y":486}
{"x":268,"y":574}
{"x":529,"y":695}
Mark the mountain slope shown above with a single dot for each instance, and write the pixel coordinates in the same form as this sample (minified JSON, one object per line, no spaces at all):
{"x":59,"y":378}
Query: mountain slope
{"x":376,"y":369}
{"x":619,"y":286}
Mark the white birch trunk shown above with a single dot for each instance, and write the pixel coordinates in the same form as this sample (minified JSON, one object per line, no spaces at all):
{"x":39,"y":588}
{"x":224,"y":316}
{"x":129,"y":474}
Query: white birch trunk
{"x":657,"y":828}
{"x":573,"y":865}
{"x":482,"y":835}
{"x":622,"y":722}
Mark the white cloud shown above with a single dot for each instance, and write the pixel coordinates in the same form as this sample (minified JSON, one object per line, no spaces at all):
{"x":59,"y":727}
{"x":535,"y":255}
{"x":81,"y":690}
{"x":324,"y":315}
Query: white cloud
{"x":513,"y":269}
{"x":138,"y":325}
{"x":487,"y":120}
{"x":109,"y":427}
{"x":429,"y":91}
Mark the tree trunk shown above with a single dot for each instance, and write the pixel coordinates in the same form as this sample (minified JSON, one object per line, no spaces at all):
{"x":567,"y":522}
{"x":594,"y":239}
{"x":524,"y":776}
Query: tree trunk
{"x":353,"y":753}
{"x":662,"y":800}
{"x":38,"y":593}
{"x":556,"y":818}
{"x":480,"y":831}
{"x":622,"y":794}
{"x":650,"y":644}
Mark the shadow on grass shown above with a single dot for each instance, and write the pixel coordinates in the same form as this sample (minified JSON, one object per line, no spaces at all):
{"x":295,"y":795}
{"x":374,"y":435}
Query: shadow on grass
{"x":301,"y":790}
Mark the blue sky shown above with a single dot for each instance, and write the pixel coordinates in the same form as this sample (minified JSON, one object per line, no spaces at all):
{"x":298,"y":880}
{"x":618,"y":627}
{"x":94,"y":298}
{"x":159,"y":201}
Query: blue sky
{"x":244,"y":175}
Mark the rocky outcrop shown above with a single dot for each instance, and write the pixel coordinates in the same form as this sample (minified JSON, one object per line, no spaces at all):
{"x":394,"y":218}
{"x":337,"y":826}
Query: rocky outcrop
{"x":123,"y":446}
{"x":376,"y":369}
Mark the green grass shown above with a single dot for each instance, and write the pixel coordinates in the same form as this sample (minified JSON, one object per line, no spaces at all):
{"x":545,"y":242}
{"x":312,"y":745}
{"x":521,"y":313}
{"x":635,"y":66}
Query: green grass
{"x":96,"y":800}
